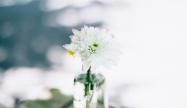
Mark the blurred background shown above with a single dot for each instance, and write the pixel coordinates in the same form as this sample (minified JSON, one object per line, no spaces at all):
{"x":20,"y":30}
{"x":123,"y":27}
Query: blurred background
{"x":151,"y":72}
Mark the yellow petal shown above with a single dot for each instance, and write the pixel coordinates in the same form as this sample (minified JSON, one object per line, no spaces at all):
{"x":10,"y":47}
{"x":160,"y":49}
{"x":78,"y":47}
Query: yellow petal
{"x":70,"y":52}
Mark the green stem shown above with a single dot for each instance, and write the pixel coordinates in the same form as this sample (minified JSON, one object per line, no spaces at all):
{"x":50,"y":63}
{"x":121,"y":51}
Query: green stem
{"x":88,"y":74}
{"x":88,"y":81}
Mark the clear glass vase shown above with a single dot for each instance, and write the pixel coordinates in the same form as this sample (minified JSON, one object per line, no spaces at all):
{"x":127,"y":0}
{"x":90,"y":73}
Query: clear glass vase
{"x":89,"y":90}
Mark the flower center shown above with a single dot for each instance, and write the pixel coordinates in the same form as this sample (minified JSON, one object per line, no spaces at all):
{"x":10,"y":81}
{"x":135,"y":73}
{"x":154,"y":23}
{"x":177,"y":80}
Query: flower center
{"x":95,"y":45}
{"x":92,"y":48}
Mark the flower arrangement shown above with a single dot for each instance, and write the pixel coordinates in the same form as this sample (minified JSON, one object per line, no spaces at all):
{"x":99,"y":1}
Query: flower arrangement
{"x":94,"y":47}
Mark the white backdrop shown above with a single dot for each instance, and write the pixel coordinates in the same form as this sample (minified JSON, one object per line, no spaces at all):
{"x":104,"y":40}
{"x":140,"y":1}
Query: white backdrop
{"x":154,"y":66}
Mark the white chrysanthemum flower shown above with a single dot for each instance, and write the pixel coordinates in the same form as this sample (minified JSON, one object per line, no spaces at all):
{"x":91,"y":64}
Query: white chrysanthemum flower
{"x":93,"y":45}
